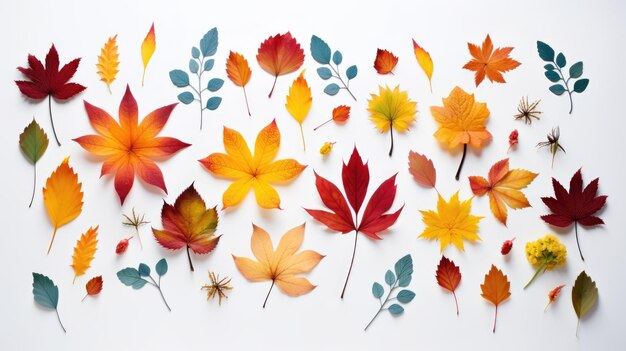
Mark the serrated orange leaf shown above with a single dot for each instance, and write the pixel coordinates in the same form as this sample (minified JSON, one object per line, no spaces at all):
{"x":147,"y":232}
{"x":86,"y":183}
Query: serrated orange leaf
{"x":299,"y":102}
{"x":147,"y":50}
{"x":448,"y":277}
{"x":422,"y":169}
{"x":238,"y":71}
{"x":425,"y":61}
{"x":385,"y":61}
{"x":84,"y":251}
{"x":93,"y":286}
{"x":280,"y":54}
{"x":341,"y":114}
{"x":108,"y":62}
{"x":461,"y":121}
{"x":452,"y":223}
{"x":281,"y":265}
{"x":252,"y":171}
{"x":553,"y":295}
{"x":490,"y":63}
{"x":503,"y":188}
{"x":62,"y":196}
{"x":496,"y":289}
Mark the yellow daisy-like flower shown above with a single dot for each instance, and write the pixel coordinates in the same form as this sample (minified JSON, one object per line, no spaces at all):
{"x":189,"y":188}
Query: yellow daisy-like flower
{"x":452,"y":223}
{"x":546,"y":253}
{"x":391,"y":109}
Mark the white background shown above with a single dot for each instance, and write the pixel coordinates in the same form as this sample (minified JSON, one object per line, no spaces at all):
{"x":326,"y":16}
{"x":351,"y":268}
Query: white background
{"x":123,"y":318}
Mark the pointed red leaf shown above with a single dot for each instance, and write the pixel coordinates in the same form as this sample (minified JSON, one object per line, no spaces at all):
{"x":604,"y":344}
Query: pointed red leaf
{"x":356,"y":178}
{"x":373,"y":220}
{"x":333,"y":199}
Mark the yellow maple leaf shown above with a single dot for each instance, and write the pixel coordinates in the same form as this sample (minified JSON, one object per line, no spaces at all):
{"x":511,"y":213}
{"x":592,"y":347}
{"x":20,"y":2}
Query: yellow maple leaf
{"x":299,"y":101}
{"x":62,"y":196}
{"x":452,"y":223}
{"x":391,"y":109}
{"x":461,"y":121}
{"x":108,"y":62}
{"x":250,"y":171}
{"x":282,"y":265}
{"x":84,"y":251}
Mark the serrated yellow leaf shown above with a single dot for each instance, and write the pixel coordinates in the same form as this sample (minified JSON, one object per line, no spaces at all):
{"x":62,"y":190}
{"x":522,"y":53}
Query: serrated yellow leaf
{"x":299,"y":101}
{"x":391,"y":109}
{"x":62,"y":196}
{"x":147,"y":50}
{"x":108,"y":62}
{"x":84,"y":251}
{"x":425,"y":61}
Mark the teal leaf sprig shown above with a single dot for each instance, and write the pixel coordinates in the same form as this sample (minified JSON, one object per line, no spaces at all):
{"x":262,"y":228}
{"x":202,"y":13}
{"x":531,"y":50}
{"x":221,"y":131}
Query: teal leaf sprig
{"x":46,"y":294}
{"x":321,"y":53}
{"x":400,"y":279}
{"x":201,"y":61}
{"x":554,"y":72}
{"x":135,"y":277}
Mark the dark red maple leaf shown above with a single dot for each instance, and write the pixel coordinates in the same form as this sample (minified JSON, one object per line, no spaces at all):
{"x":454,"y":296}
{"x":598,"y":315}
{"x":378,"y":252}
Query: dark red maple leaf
{"x":355,"y":176}
{"x":49,"y":81}
{"x":576,"y":206}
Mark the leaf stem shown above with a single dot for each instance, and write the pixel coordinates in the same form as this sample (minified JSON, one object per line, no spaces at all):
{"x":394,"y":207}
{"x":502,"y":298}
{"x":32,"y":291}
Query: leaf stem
{"x":268,"y":293}
{"x":577,"y":242}
{"x":246,"y":97}
{"x":376,"y":315}
{"x":356,"y":237}
{"x":302,"y":135}
{"x":32,"y":197}
{"x":51,"y":241}
{"x":273,"y":86}
{"x":52,"y":120}
{"x":200,"y":94}
{"x":341,"y":80}
{"x":83,"y":299}
{"x":495,"y":319}
{"x":456,"y":302}
{"x":391,"y":133}
{"x":65,"y":331}
{"x":541,"y":267}
{"x":189,"y":258}
{"x":458,"y":172}
{"x":316,"y":128}
{"x":158,"y":286}
{"x":392,"y":287}
{"x":571,"y":103}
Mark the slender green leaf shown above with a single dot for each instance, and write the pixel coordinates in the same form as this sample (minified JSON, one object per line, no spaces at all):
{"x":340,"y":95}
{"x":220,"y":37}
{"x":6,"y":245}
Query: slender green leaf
{"x":390,"y":278}
{"x":143,"y":270}
{"x":377,"y":290}
{"x":161,"y":267}
{"x":545,"y":51}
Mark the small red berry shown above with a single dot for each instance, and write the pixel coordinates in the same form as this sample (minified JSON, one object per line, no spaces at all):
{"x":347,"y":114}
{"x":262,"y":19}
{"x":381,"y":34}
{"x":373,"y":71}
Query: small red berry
{"x":122,"y":246}
{"x":513,"y":138}
{"x":507,"y":246}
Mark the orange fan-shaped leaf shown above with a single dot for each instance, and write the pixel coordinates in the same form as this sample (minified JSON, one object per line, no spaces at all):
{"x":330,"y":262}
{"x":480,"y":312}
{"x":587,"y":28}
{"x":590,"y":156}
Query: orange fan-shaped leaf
{"x":280,"y":54}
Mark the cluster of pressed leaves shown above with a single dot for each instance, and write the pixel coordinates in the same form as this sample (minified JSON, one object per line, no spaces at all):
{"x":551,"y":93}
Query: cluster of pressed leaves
{"x":129,"y":148}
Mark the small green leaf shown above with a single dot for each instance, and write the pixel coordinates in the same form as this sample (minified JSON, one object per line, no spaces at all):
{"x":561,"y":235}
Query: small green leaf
{"x":130,"y":277}
{"x":320,"y":50}
{"x":377,"y":290}
{"x":560,"y":60}
{"x":549,"y":67}
{"x":331,"y":89}
{"x":143,"y":270}
{"x":33,"y":141}
{"x":193,"y":66}
{"x":195,"y":52}
{"x":581,"y":85}
{"x":337,"y":57}
{"x":179,"y":78}
{"x":404,"y":281}
{"x":213,"y":103}
{"x":557,"y":89}
{"x":390,"y":278}
{"x":405,"y":296}
{"x":324,"y":73}
{"x":553,"y":76}
{"x":44,"y":291}
{"x":186,"y":97}
{"x":576,"y":70}
{"x":208,"y":65}
{"x":161,"y":267}
{"x":351,"y":72}
{"x":545,"y":51}
{"x":209,"y":42}
{"x":215,"y":84}
{"x":584,"y":294}
{"x":395,"y":309}
{"x":404,"y":267}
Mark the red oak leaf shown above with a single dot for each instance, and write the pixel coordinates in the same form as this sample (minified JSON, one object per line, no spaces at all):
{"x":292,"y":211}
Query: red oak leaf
{"x":48,"y":81}
{"x":576,"y":206}
{"x":355,"y":176}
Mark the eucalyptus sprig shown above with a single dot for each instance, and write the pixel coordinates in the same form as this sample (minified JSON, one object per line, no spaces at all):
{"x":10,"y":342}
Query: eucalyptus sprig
{"x":135,"y":277}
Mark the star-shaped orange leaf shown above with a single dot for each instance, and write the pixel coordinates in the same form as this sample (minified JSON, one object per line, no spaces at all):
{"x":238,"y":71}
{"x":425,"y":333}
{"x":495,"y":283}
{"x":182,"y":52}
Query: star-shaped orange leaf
{"x":130,"y":147}
{"x":488,"y":62}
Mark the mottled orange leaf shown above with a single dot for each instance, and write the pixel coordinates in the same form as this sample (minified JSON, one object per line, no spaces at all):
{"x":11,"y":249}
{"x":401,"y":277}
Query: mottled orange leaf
{"x":341,"y":114}
{"x":93,"y":286}
{"x":84,"y":252}
{"x":422,"y":169}
{"x":496,"y":289}
{"x":238,"y":71}
{"x":490,"y":63}
{"x":385,"y":62}
{"x":280,"y":54}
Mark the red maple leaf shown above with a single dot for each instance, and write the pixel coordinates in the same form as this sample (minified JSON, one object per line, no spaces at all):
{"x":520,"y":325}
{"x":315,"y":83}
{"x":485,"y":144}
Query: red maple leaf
{"x":49,"y":81}
{"x":576,"y":206}
{"x":356,"y":177}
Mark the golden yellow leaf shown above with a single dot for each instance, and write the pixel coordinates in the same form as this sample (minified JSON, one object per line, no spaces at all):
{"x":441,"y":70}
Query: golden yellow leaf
{"x":147,"y":50}
{"x":108,"y":62}
{"x":391,"y":109}
{"x":252,"y":172}
{"x":62,"y":197}
{"x":452,"y":223}
{"x":282,"y":265}
{"x":299,"y":101}
{"x":84,"y":251}
{"x":424,"y":60}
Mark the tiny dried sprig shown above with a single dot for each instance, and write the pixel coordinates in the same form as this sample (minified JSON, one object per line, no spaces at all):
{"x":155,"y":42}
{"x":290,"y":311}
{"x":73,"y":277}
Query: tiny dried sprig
{"x":527,"y":111}
{"x":553,"y":143}
{"x":217,"y":287}
{"x":136,"y":222}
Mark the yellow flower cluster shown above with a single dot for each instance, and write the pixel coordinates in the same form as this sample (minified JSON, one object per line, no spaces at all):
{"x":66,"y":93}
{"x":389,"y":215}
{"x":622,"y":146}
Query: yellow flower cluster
{"x":548,"y":251}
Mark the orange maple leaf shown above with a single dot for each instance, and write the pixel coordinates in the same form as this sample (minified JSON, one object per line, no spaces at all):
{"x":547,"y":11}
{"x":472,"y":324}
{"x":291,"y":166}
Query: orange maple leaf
{"x":488,"y":62}
{"x":130,"y":147}
{"x":503,"y":187}
{"x":385,"y":61}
